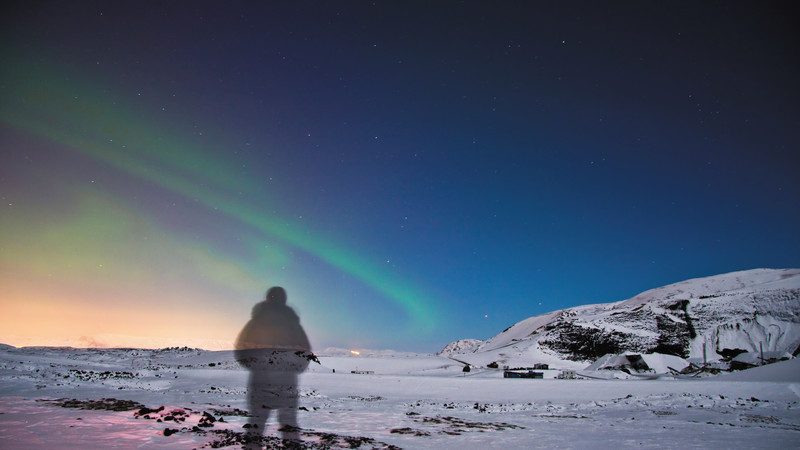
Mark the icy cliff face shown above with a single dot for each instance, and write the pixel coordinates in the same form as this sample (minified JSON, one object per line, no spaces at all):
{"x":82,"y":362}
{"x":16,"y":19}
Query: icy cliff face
{"x":730,"y":314}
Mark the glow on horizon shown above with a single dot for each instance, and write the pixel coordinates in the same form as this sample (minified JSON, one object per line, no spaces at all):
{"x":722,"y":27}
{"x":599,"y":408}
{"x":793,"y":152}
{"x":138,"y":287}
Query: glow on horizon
{"x":90,"y":122}
{"x":105,"y":273}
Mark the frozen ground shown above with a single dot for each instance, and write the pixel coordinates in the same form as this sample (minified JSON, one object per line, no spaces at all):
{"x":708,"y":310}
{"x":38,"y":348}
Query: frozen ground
{"x":410,"y":401}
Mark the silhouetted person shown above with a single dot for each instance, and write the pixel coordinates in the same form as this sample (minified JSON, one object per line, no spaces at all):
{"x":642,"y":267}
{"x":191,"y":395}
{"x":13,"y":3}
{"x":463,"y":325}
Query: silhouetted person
{"x":275,"y":348}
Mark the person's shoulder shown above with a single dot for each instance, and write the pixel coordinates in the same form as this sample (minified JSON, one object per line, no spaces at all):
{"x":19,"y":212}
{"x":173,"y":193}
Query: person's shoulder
{"x":288,"y":313}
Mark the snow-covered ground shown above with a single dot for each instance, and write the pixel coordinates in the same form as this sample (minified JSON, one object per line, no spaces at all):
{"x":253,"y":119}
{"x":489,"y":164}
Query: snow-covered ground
{"x":409,"y":401}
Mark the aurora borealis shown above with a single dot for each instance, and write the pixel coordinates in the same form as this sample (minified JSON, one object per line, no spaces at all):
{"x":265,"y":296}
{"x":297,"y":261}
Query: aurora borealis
{"x":84,"y":121}
{"x":410,"y":173}
{"x":101,"y":129}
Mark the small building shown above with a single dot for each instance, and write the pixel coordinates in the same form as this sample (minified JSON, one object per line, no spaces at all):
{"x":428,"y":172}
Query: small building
{"x":528,"y":374}
{"x":362,"y":372}
{"x":566,"y":375}
{"x":541,"y":366}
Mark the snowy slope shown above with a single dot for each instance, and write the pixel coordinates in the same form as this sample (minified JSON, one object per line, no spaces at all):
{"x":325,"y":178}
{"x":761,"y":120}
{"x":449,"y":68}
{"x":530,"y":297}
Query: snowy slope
{"x":780,"y":372}
{"x":460,"y":346}
{"x":729,"y":313}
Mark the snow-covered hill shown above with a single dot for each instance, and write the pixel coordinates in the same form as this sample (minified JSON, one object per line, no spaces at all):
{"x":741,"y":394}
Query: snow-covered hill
{"x":729,"y":314}
{"x":460,"y":346}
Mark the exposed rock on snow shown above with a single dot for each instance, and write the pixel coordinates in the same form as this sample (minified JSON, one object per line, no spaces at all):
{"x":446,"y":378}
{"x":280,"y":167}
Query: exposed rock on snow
{"x":107,"y":404}
{"x":729,"y":314}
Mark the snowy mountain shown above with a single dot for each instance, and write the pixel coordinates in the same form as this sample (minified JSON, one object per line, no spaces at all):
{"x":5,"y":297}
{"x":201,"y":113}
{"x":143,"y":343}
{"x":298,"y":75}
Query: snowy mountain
{"x":460,"y":346}
{"x":730,"y":314}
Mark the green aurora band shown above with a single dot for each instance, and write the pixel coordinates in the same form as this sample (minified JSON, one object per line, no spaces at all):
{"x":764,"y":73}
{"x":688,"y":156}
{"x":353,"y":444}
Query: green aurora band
{"x":90,"y":121}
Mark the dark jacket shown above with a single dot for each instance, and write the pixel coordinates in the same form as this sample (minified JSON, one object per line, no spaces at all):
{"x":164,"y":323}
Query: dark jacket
{"x":273,"y":337}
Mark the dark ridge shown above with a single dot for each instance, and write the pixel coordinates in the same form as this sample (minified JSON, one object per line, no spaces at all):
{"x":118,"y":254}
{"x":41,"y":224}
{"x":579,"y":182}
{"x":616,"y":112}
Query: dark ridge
{"x":730,"y":353}
{"x":673,"y":338}
{"x":685,"y":307}
{"x":580,"y":343}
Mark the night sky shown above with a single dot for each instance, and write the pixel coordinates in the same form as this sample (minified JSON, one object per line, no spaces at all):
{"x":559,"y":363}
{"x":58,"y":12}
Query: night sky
{"x":410,"y":172}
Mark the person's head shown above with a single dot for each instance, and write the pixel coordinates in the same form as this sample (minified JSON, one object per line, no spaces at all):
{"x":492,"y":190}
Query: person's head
{"x":276,"y":295}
